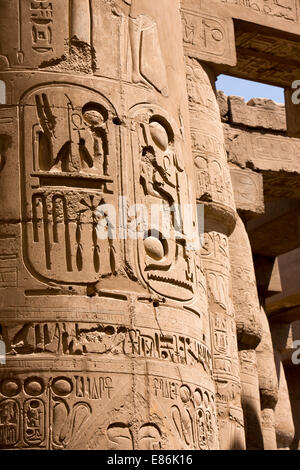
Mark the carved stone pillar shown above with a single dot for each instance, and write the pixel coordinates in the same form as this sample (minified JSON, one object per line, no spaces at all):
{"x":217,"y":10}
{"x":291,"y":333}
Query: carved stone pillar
{"x":214,"y":190}
{"x":293,"y":381}
{"x":283,"y":338}
{"x":247,"y":310}
{"x":268,"y":386}
{"x":285,"y":429}
{"x":107,"y":338}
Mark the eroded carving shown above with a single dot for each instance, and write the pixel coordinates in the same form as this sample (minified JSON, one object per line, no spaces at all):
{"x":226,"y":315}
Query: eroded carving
{"x":108,"y":340}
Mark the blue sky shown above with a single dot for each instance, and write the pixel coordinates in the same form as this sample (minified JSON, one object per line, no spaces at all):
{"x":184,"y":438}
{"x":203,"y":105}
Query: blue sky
{"x":233,"y":86}
{"x":248,"y":89}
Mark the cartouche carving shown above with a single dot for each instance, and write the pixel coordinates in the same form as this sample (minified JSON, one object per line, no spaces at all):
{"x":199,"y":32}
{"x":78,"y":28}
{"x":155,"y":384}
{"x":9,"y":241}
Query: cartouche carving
{"x":70,"y":135}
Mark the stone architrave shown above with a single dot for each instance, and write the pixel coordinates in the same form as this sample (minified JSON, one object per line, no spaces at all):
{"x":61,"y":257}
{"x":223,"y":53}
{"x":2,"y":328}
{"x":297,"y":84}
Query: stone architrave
{"x":259,"y":113}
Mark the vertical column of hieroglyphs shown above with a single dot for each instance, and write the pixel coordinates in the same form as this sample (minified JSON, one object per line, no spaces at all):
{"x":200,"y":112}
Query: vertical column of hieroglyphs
{"x":205,"y":40}
{"x":247,"y":314}
{"x":215,"y":191}
{"x":107,"y":337}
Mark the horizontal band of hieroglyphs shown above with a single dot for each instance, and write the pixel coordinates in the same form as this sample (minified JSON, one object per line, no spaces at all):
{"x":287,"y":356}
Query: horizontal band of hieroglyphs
{"x":78,"y":339}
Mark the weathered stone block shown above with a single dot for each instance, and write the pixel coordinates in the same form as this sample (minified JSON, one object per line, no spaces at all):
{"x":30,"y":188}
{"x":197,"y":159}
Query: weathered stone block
{"x":248,"y":190}
{"x":258,"y":112}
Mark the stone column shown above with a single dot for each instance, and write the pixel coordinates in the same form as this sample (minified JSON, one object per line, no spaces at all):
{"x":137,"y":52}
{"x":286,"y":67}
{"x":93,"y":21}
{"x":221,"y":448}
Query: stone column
{"x":293,"y":382}
{"x":268,"y":386}
{"x":247,"y":310}
{"x":283,"y":338}
{"x":284,"y":425}
{"x":107,"y":337}
{"x":214,"y":191}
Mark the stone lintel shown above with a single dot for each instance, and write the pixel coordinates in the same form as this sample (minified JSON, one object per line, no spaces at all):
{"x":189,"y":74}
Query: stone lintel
{"x":208,"y":33}
{"x":275,"y":155}
{"x":257,"y":113}
{"x":282,"y":16}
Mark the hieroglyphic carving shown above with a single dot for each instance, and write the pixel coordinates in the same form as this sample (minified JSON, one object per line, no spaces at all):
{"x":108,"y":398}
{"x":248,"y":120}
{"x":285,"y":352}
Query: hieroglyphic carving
{"x":228,"y":392}
{"x":82,"y":411}
{"x":8,"y":276}
{"x":201,"y":32}
{"x":8,"y":257}
{"x":66,"y":423}
{"x":61,"y":404}
{"x":34,"y":421}
{"x":257,"y":112}
{"x":270,"y":147}
{"x":9,"y":168}
{"x":211,"y":167}
{"x":80,"y":338}
{"x":212,"y":180}
{"x":193,"y":413}
{"x":120,"y":436}
{"x":9,"y":423}
{"x":166,"y":256}
{"x":212,"y":174}
{"x":69,"y":146}
{"x":285,"y":9}
{"x":246,"y":306}
{"x":41,"y":19}
{"x":208,"y":37}
{"x":200,"y":92}
{"x":263,"y":150}
{"x":36,"y":29}
{"x":95,"y":389}
{"x":215,"y":247}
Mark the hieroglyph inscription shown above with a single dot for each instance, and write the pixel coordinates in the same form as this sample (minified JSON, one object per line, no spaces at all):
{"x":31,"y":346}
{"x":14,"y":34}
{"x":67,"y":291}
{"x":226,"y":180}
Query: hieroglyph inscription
{"x":63,"y":405}
{"x":105,"y":340}
{"x":166,"y":254}
{"x":203,"y":32}
{"x":285,"y":9}
{"x":193,"y":413}
{"x":120,"y":437}
{"x":208,"y":37}
{"x":41,"y":15}
{"x":69,"y":169}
